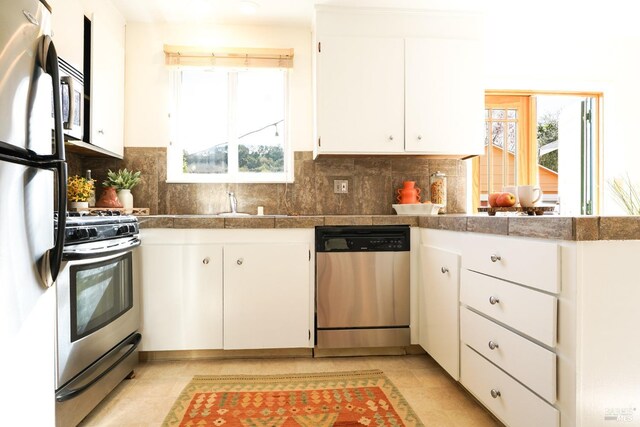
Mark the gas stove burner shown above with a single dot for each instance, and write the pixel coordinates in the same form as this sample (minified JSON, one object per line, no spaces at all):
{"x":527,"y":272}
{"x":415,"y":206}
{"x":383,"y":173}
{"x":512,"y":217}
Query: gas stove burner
{"x":98,"y":212}
{"x":84,"y":227}
{"x":105,"y":212}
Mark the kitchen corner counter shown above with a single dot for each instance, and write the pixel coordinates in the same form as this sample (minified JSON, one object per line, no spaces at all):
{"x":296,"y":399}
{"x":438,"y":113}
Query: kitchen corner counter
{"x":580,"y":228}
{"x":213,"y":221}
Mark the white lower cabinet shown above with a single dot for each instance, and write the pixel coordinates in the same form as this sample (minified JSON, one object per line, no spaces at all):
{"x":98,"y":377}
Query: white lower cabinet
{"x":181,"y":297}
{"x":531,"y":312}
{"x":438,"y":307}
{"x":508,"y":323}
{"x":509,"y":400}
{"x":226,"y":289}
{"x":266,"y":296}
{"x":525,"y":360}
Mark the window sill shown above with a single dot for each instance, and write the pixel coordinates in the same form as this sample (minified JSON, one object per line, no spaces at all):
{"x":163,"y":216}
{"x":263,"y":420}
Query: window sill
{"x":228,"y":180}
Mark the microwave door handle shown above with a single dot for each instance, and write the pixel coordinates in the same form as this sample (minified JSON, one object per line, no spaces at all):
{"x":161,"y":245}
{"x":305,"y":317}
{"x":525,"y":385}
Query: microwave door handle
{"x":52,"y":259}
{"x":66,"y":84}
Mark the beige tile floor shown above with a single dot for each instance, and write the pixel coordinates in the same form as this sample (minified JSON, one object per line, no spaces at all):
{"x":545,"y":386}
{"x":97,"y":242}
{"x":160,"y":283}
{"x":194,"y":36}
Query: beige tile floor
{"x":145,"y":400}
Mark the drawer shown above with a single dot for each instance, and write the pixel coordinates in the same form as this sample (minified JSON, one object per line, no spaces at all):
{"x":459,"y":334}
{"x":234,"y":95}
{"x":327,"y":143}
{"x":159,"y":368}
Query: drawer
{"x":515,"y":405}
{"x":530,"y":262}
{"x":529,"y":363}
{"x":528,"y":311}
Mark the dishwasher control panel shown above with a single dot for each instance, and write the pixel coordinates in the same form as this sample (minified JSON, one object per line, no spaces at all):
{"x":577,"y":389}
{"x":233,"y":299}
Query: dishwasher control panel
{"x":376,"y":238}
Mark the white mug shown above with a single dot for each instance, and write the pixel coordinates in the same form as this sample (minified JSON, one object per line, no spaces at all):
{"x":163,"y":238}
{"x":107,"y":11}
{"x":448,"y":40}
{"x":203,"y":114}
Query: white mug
{"x":529,"y":195}
{"x":513,"y":190}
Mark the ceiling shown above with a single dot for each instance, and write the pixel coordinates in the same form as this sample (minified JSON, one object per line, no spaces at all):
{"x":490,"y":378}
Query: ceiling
{"x":268,"y":12}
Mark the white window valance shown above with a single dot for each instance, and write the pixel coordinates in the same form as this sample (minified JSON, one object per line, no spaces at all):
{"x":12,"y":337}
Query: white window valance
{"x":201,"y":56}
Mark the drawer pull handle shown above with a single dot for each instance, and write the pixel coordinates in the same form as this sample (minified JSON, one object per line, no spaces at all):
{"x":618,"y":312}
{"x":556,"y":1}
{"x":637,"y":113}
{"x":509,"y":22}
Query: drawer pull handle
{"x":444,"y":270}
{"x":205,"y":261}
{"x":495,"y":393}
{"x":493,"y":345}
{"x":494,"y":300}
{"x":240,"y":261}
{"x":495,"y":258}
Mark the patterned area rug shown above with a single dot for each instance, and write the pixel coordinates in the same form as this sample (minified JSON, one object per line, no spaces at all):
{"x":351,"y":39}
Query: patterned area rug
{"x":360,"y":398}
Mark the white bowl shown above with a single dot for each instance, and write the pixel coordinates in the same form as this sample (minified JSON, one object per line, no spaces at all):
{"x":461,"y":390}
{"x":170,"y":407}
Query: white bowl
{"x":417,"y":208}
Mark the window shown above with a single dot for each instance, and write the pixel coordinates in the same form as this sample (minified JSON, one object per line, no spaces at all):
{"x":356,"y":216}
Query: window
{"x":229,"y":122}
{"x":550,"y":140}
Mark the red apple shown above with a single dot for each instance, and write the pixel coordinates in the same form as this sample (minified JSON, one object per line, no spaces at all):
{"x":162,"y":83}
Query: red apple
{"x":492,"y":199}
{"x":506,"y":200}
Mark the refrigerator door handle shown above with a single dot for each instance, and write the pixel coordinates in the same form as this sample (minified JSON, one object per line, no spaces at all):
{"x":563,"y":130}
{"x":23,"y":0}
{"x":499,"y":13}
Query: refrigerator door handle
{"x":52,"y":259}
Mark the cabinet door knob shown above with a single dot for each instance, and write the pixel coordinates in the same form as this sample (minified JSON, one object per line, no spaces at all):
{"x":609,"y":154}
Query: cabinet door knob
{"x":493,"y":345}
{"x":494,"y":300}
{"x":240,"y":261}
{"x":101,"y":131}
{"x":495,"y":258}
{"x":206,"y":261}
{"x":419,"y":137}
{"x":495,"y":393}
{"x":390,"y":137}
{"x":444,"y":270}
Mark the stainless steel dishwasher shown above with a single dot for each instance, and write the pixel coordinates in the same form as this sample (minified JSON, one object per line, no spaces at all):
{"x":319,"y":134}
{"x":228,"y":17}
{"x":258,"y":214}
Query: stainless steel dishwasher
{"x":362,"y":286}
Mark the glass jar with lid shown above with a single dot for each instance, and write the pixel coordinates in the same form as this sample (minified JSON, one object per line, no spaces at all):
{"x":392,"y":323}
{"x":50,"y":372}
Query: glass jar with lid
{"x":438,"y":189}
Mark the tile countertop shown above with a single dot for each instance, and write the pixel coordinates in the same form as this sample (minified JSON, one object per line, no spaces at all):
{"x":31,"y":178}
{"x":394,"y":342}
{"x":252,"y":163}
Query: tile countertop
{"x":546,"y":227}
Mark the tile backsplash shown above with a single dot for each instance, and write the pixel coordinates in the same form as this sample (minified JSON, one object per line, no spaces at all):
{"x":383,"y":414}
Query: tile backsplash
{"x":372,"y":184}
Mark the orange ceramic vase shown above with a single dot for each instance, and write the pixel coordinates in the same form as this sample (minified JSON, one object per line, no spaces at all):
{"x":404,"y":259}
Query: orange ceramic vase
{"x":409,"y":193}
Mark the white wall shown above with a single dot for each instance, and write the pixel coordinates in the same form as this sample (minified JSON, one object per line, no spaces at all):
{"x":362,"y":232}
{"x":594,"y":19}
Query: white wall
{"x":148,"y":89}
{"x":569,"y":46}
{"x":544,"y":45}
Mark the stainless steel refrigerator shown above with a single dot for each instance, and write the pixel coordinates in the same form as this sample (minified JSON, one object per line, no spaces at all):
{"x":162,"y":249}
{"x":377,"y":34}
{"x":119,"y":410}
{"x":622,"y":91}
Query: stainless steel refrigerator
{"x":32,"y":184}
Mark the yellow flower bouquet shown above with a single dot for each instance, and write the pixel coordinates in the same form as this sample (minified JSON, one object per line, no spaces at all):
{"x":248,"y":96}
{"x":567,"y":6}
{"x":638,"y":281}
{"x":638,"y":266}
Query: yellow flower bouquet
{"x":79,"y":189}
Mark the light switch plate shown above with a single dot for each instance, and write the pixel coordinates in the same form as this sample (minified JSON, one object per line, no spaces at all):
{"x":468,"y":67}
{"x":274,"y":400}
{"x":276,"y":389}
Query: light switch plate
{"x":340,"y":186}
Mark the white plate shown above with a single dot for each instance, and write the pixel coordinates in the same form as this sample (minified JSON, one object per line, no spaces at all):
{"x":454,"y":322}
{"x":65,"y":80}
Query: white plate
{"x":417,"y":208}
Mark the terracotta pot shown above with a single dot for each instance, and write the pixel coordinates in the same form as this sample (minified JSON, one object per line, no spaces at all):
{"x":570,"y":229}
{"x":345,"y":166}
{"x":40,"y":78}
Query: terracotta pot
{"x":409,"y":193}
{"x":109,"y":199}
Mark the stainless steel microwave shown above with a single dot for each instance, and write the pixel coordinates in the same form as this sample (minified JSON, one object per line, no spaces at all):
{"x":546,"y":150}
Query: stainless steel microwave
{"x":72,"y":91}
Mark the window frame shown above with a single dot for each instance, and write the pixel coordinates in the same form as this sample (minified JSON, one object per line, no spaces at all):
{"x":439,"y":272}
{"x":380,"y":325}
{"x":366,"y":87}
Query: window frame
{"x":234,"y":175}
{"x":531,"y":162}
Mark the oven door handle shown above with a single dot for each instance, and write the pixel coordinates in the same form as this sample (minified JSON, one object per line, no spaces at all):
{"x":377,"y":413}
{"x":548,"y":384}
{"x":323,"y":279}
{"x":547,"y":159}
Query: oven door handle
{"x":120,"y":248}
{"x":69,"y":391}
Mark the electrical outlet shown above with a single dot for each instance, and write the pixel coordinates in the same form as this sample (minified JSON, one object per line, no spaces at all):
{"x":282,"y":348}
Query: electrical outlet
{"x":340,"y":186}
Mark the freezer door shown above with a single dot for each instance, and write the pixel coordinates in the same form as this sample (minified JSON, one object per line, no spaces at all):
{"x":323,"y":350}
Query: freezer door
{"x":25,"y":90}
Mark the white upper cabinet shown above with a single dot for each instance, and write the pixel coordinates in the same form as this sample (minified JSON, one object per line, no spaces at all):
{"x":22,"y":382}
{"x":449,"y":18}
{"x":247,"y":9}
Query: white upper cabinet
{"x":107,"y":76}
{"x":444,"y":98}
{"x":398,"y":82}
{"x":67,"y":26}
{"x":350,"y":94}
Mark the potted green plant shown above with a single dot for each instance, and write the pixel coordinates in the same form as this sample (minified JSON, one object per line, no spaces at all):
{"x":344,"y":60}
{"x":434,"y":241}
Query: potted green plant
{"x":79,"y":189}
{"x":123,"y":181}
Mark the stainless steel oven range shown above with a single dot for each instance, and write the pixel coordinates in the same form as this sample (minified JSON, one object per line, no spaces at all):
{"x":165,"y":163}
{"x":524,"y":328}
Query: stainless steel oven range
{"x":98,"y":312}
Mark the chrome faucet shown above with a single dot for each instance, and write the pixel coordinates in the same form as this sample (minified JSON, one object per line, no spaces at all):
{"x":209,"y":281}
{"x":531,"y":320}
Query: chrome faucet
{"x":233,"y":202}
